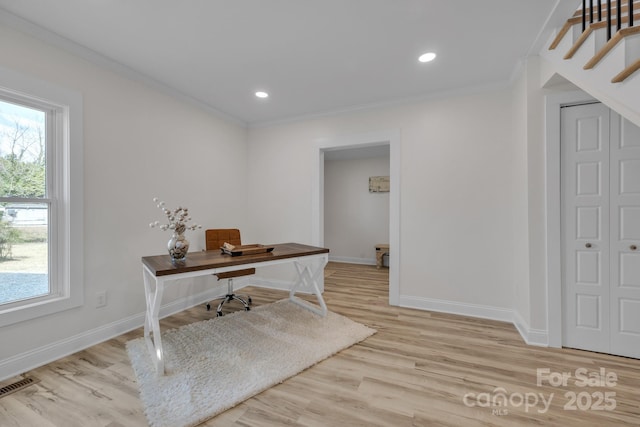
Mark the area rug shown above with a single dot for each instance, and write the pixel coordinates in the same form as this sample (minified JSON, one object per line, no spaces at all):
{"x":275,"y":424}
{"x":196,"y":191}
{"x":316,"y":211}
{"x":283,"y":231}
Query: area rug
{"x":216,"y":364}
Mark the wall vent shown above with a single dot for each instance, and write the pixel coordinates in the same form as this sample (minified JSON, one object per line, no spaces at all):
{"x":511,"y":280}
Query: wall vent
{"x":18,"y":385}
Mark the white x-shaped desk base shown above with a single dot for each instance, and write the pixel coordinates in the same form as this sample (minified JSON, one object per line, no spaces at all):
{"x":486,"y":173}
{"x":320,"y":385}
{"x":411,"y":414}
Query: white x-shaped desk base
{"x":308,"y":274}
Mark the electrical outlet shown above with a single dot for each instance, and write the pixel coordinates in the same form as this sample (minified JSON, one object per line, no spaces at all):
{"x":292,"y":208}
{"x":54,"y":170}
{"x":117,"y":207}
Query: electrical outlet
{"x":101,"y":299}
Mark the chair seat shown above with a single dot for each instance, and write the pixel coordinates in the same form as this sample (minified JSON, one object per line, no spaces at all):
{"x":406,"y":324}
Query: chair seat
{"x":214,"y":239}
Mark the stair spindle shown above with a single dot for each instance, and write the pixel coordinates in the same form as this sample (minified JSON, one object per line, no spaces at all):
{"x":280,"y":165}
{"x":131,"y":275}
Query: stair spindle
{"x":584,"y":15}
{"x":590,"y":11}
{"x":608,"y":20}
{"x":599,"y":10}
{"x":619,"y":15}
{"x":630,"y":13}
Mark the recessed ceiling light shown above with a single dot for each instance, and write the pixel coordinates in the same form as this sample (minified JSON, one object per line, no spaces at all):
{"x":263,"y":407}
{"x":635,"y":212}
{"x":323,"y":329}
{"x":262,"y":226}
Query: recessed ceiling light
{"x":261,"y":94}
{"x":427,"y":57}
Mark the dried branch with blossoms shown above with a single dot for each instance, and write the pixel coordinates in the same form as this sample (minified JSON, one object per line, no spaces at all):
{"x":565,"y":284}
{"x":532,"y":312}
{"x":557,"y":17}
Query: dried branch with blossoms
{"x":177,"y":219}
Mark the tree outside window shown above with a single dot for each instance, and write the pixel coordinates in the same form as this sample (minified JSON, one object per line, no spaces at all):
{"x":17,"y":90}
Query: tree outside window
{"x":24,"y":209}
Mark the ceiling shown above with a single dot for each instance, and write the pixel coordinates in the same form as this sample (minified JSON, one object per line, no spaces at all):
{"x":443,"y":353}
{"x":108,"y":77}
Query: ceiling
{"x":312,"y":56}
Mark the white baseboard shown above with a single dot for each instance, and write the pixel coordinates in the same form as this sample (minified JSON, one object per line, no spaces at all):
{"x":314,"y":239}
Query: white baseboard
{"x":35,"y":358}
{"x":32,"y":359}
{"x":352,"y":260}
{"x":530,"y":336}
{"x":452,"y":307}
{"x":537,"y":337}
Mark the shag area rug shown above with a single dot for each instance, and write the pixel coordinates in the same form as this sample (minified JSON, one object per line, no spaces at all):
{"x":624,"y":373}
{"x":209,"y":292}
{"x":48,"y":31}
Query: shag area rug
{"x":216,"y":364}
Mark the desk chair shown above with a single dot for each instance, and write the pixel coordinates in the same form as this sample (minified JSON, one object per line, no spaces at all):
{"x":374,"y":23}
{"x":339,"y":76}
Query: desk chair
{"x":214,"y":239}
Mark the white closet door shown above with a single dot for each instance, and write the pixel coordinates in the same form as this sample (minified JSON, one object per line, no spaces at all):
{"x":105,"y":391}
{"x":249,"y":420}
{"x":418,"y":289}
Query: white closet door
{"x":585,"y":226}
{"x":625,"y":237}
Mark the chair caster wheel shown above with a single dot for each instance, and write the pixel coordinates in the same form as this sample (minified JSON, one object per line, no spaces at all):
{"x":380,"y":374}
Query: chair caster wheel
{"x":219,"y":314}
{"x":250,"y":301}
{"x":208,"y":307}
{"x":247,"y":309}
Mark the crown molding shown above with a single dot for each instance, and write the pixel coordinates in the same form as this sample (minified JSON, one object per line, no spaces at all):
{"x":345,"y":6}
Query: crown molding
{"x":42,"y":34}
{"x":444,"y":94}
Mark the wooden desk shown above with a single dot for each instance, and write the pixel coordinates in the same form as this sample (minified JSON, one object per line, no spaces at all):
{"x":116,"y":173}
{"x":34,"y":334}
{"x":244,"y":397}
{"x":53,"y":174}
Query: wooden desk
{"x":158,"y":271}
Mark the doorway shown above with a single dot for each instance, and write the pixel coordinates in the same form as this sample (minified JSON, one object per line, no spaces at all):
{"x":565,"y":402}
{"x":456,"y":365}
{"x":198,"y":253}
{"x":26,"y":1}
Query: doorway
{"x":390,"y":138}
{"x":356,"y":217}
{"x":600,"y":230}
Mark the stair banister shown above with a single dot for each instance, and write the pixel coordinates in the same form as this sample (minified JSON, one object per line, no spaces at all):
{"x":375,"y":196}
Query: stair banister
{"x":623,"y":14}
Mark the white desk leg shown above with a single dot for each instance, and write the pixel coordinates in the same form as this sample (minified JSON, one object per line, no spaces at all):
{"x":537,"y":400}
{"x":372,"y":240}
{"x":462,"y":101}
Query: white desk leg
{"x":153,"y":295}
{"x":309,"y":278}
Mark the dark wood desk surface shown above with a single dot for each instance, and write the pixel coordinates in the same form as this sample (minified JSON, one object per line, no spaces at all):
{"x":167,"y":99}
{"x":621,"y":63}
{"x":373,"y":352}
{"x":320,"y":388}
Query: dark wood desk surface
{"x":161,"y":265}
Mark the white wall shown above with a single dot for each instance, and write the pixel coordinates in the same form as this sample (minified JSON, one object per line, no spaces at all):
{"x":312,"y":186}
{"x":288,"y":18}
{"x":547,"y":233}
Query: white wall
{"x":138,"y":143}
{"x":471,"y":192}
{"x":536,"y":195}
{"x":531,"y":293}
{"x":355,"y":220}
{"x":521,"y":291}
{"x":459,"y":185}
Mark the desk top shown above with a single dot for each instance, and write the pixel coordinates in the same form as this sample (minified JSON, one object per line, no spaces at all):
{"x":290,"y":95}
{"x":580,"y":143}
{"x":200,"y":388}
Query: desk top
{"x":161,"y":265}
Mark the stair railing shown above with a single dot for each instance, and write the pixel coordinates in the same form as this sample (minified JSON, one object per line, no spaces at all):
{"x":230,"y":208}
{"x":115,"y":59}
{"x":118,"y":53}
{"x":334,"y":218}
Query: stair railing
{"x":618,"y":6}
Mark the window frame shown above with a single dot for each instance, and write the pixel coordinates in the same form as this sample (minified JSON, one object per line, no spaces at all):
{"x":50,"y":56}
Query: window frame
{"x":63,"y":194}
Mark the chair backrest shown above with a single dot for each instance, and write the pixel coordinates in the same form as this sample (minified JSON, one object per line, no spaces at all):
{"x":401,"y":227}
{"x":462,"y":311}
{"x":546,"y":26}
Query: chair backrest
{"x":216,"y":237}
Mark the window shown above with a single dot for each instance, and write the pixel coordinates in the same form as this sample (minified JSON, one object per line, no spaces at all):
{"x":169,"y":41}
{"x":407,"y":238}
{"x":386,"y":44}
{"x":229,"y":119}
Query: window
{"x":40,"y":198}
{"x":26,"y":202}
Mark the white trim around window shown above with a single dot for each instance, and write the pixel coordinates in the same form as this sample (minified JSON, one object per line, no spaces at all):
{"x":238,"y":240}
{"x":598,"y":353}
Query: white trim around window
{"x":65,"y":198}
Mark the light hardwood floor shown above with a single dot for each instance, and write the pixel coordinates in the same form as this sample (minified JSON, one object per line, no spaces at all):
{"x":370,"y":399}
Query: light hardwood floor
{"x":415,"y":371}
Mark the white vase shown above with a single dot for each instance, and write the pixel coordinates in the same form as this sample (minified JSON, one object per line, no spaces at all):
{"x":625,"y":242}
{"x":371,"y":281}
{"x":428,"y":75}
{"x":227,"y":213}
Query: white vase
{"x":178,"y":247}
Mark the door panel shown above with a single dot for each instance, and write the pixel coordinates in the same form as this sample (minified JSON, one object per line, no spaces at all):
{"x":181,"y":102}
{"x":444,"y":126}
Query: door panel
{"x":629,"y":223}
{"x":630,"y":270}
{"x":625,"y":238}
{"x":588,"y":132}
{"x":588,"y":311}
{"x":585,"y":230}
{"x":630,"y":317}
{"x":588,"y":222}
{"x":600,"y":176}
{"x":588,"y":179}
{"x":630,"y":177}
{"x":588,"y":268}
